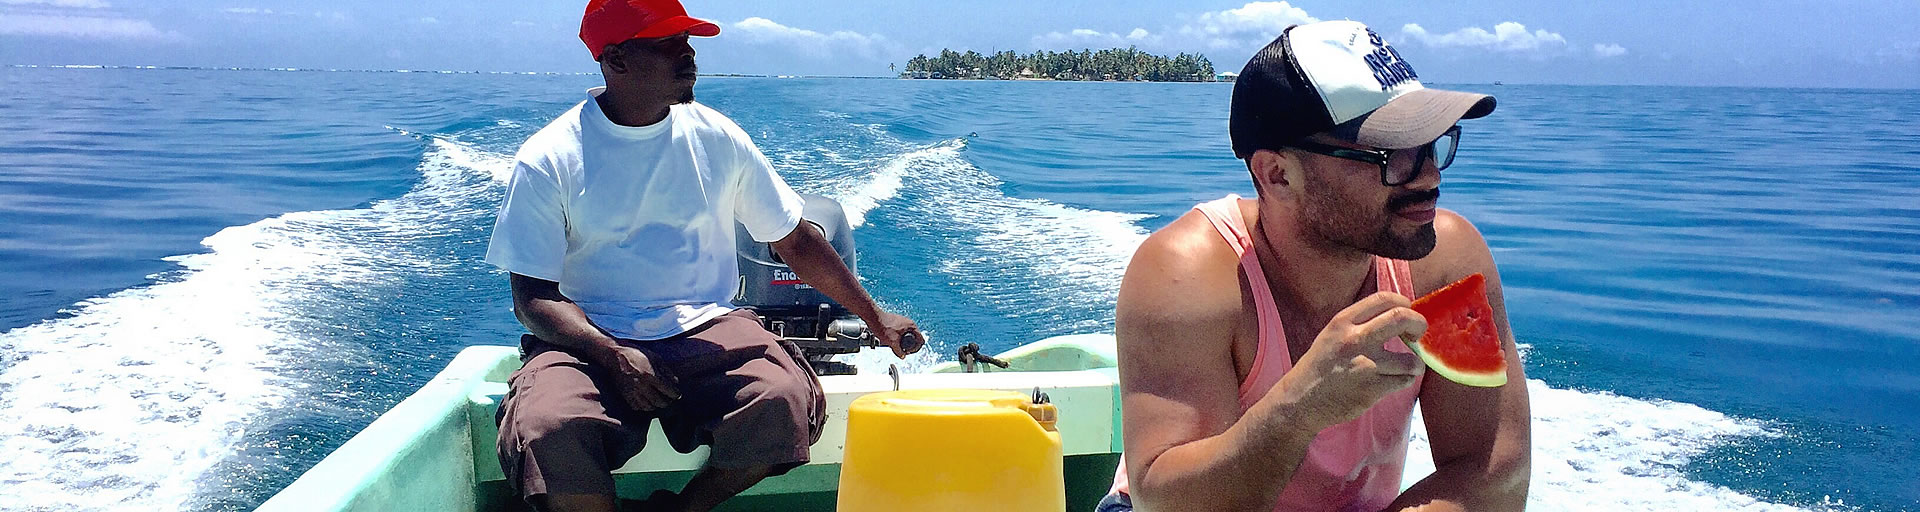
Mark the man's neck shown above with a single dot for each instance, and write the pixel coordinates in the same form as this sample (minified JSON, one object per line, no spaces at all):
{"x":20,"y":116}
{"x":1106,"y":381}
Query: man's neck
{"x":625,"y":110}
{"x":1303,"y":270}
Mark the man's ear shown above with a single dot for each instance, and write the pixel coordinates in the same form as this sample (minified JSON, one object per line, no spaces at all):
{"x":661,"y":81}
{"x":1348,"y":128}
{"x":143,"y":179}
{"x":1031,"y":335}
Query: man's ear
{"x":613,"y":59}
{"x":1269,"y":169}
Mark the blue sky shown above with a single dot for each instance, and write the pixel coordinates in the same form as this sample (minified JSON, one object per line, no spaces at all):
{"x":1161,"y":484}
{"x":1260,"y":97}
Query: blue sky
{"x":1833,"y":43}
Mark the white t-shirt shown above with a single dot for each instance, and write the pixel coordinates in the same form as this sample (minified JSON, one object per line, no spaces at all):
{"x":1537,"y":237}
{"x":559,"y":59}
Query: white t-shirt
{"x":636,"y":223}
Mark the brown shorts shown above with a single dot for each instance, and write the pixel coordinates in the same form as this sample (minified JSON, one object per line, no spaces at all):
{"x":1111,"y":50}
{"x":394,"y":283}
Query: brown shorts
{"x":750,"y":396}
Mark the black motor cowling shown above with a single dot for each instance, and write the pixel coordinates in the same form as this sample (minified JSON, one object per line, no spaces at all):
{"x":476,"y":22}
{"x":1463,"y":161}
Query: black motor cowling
{"x":794,"y":310}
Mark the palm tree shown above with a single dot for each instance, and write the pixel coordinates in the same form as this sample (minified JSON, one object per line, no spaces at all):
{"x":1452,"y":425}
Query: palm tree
{"x":1108,"y":64}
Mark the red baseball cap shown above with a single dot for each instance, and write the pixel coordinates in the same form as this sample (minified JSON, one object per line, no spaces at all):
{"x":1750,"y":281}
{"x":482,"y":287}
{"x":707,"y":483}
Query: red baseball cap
{"x":609,"y":22}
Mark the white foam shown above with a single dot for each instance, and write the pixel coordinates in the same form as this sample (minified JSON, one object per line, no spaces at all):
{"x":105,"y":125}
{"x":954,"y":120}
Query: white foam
{"x":461,"y":156}
{"x":127,"y":403}
{"x":1078,"y":253}
{"x":858,"y":198}
{"x":874,"y":361}
{"x":1599,"y":451}
{"x":858,"y":184}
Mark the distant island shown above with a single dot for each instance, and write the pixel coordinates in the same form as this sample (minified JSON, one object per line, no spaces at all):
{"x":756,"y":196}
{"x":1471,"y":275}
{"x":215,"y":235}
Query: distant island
{"x":1127,"y":64}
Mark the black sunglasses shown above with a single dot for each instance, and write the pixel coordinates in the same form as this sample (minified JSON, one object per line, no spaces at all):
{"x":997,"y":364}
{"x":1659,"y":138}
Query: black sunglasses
{"x":1440,"y":150}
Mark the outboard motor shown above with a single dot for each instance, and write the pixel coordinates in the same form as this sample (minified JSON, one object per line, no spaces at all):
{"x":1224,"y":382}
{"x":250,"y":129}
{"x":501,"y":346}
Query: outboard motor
{"x":794,"y":310}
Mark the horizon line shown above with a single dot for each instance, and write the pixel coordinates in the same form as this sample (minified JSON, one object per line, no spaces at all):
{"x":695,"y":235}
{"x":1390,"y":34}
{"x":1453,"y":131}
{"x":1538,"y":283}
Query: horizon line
{"x":866,"y":77}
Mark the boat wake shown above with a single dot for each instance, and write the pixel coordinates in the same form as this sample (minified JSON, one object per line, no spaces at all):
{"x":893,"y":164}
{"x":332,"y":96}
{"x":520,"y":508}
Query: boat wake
{"x":1067,"y":257}
{"x":135,"y":397}
{"x":1600,"y":451}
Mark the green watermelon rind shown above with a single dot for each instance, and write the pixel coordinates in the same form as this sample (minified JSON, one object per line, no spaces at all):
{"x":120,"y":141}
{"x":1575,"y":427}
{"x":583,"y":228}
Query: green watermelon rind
{"x":1492,"y":379}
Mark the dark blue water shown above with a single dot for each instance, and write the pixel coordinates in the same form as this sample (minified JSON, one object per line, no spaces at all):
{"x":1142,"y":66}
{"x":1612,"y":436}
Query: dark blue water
{"x":208,"y":279}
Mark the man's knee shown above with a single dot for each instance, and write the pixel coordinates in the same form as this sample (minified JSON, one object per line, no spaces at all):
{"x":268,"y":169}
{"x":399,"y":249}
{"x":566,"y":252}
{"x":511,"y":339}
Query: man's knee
{"x":537,"y":431}
{"x":547,"y":425}
{"x":552,"y":398}
{"x":779,"y":395}
{"x":543,"y":451}
{"x":573,"y":502}
{"x":786,"y":385}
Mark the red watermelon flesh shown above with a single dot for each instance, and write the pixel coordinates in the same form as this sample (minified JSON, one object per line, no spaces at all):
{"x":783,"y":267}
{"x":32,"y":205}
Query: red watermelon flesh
{"x":1462,"y":343}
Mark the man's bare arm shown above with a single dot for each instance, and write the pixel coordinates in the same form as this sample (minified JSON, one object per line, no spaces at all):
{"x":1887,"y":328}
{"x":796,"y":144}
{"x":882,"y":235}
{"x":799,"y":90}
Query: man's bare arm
{"x":1186,"y":447}
{"x":555,"y":319}
{"x":807,"y":252}
{"x":1481,"y":437}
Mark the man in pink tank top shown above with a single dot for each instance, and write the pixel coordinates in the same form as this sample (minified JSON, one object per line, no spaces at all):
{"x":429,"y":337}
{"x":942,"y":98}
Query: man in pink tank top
{"x":1261,"y":366}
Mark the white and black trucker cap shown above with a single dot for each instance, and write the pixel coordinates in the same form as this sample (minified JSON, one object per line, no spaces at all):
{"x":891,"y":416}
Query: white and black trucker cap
{"x":1339,"y":77}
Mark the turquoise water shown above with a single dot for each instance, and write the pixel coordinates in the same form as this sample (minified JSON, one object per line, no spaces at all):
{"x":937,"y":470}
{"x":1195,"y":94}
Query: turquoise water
{"x":208,"y":279}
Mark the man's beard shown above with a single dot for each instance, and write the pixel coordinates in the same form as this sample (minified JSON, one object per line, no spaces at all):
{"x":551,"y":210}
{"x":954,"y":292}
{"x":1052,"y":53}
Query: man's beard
{"x":1355,"y":226}
{"x":685,"y":69}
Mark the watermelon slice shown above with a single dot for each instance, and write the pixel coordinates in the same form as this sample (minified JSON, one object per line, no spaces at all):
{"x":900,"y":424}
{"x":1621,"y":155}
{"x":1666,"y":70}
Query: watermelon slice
{"x":1462,"y":343}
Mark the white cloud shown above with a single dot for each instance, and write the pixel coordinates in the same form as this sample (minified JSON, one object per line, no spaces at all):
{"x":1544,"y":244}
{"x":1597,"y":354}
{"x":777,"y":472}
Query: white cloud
{"x":757,"y":30}
{"x":1506,"y":37}
{"x":1242,"y":29}
{"x":1899,"y":52}
{"x":1247,"y":27}
{"x":428,"y":20}
{"x":1232,"y":34}
{"x":83,"y":27}
{"x":78,"y":4}
{"x":1089,"y":38}
{"x":323,"y":15}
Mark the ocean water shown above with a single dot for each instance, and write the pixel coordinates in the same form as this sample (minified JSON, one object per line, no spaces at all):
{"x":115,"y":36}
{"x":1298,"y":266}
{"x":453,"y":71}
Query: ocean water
{"x":209,"y":279}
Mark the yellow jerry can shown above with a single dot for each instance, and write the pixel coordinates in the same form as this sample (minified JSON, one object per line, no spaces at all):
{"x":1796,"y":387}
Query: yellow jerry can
{"x":952,"y":449}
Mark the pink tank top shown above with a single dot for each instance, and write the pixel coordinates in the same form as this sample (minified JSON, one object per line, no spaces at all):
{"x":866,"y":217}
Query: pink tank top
{"x":1351,"y":466}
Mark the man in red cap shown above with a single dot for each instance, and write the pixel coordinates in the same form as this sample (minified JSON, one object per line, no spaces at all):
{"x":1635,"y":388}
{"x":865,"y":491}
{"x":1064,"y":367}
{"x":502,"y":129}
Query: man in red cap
{"x":618,"y":232}
{"x":1260,"y":340}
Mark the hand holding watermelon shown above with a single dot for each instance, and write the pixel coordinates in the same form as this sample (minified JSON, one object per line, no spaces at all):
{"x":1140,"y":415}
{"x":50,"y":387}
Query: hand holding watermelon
{"x":1348,"y":368}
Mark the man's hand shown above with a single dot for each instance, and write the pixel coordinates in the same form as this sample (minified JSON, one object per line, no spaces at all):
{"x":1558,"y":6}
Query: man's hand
{"x":557,"y":320}
{"x":644,"y":387}
{"x":898,"y":333}
{"x":1348,"y":369}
